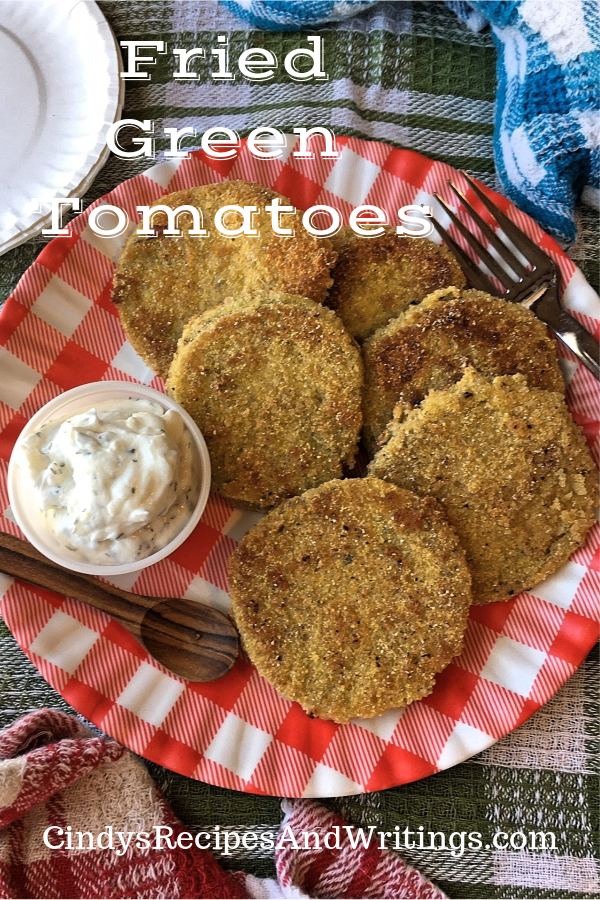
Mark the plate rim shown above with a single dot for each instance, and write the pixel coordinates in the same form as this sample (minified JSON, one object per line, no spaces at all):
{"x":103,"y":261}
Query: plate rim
{"x":89,"y":171}
{"x":468,"y":754}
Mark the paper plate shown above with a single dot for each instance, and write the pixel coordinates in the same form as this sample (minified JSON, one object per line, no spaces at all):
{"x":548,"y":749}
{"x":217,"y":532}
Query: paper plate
{"x":59,"y":67}
{"x":59,"y":329}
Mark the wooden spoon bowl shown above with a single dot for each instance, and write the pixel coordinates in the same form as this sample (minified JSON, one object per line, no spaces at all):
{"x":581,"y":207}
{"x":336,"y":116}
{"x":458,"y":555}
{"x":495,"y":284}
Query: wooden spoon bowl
{"x":190,"y":639}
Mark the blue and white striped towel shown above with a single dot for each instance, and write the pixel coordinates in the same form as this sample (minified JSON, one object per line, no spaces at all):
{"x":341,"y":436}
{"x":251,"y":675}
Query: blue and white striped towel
{"x":547,"y":134}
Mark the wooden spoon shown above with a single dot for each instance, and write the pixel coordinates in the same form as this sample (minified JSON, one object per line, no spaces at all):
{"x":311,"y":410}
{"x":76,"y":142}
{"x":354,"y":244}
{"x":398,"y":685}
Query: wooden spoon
{"x":190,"y":639}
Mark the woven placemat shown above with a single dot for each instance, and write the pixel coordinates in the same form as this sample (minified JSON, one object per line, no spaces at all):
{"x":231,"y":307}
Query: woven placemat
{"x":410,"y":74}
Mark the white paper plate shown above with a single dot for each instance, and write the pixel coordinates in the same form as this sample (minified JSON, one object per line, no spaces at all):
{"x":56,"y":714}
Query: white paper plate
{"x":61,"y":90}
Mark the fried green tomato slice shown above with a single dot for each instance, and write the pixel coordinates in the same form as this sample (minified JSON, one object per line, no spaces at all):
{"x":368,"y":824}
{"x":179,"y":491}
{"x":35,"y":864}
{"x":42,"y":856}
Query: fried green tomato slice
{"x":511,"y":469}
{"x":351,"y":598}
{"x":430,"y":345}
{"x":161,"y":282}
{"x":376,"y":279}
{"x":274,"y":382}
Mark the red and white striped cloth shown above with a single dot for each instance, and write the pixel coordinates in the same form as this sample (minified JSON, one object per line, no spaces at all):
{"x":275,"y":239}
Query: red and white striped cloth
{"x":348,"y":869}
{"x":54,"y":772}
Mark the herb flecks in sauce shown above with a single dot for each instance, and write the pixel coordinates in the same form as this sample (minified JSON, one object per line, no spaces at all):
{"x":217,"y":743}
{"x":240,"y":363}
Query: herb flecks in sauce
{"x":117,"y":482}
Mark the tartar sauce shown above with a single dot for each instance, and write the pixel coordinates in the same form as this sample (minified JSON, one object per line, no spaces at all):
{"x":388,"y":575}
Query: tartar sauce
{"x":115,"y":483}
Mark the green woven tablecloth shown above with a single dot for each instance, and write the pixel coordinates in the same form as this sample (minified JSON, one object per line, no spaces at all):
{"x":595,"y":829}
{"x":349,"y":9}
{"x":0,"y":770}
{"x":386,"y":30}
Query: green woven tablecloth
{"x":413,"y":75}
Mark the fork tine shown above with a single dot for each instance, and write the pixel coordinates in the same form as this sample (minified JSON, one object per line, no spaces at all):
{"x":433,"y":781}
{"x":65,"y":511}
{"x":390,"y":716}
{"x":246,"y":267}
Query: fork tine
{"x":504,"y":251}
{"x":478,"y":248}
{"x":521,"y":241}
{"x":475,"y":275}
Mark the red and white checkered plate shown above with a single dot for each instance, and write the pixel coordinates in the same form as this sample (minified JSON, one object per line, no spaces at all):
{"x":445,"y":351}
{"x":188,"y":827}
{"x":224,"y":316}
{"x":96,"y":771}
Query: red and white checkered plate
{"x":59,"y":329}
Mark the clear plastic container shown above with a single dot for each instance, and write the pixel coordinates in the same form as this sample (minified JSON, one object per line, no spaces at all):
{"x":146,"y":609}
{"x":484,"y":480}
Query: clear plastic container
{"x":21,"y":491}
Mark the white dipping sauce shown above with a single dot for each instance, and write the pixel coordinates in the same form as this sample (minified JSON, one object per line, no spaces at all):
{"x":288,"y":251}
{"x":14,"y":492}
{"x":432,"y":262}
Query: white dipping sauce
{"x":115,"y":483}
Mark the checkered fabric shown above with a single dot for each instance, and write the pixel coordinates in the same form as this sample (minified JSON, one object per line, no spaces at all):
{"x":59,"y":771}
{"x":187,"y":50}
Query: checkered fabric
{"x":59,"y":329}
{"x":54,"y":775}
{"x":432,"y":89}
{"x":293,"y":15}
{"x":547,"y":118}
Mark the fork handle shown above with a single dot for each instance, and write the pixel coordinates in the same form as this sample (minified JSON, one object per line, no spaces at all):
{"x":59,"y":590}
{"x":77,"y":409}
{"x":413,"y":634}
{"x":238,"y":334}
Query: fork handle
{"x":567,"y":329}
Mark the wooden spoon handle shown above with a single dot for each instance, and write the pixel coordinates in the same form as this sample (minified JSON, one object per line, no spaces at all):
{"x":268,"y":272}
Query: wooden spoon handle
{"x":191,"y":639}
{"x":21,"y":559}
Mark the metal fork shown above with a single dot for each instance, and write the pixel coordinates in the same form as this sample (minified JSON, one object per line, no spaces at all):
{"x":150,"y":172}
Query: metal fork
{"x":534,"y":285}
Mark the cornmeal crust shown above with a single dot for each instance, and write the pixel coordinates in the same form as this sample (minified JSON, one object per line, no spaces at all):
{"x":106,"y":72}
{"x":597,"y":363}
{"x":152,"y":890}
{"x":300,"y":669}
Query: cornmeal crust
{"x":161,"y":282}
{"x":350,"y":598}
{"x":511,"y":469}
{"x":274,"y":383}
{"x":430,"y":345}
{"x":376,"y":279}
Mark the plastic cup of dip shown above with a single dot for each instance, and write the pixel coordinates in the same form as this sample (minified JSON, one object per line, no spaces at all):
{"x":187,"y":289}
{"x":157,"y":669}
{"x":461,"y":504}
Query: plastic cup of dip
{"x":24,"y":500}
